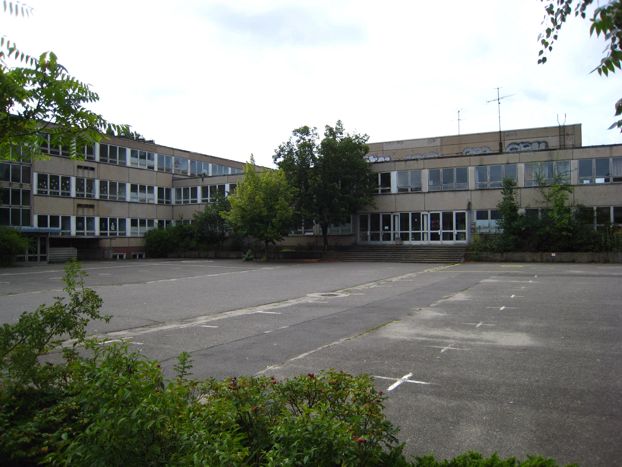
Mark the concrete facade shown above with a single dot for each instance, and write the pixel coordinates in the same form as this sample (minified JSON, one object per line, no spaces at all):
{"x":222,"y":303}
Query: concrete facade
{"x":430,"y":191}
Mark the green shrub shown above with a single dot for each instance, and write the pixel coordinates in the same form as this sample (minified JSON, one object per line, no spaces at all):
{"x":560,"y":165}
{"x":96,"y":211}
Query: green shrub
{"x":158,"y":243}
{"x":12,"y":243}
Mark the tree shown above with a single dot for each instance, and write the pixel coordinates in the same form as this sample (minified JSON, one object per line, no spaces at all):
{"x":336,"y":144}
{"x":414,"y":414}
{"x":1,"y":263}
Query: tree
{"x":42,"y":99}
{"x":261,"y":205}
{"x":12,"y":243}
{"x":606,"y":21}
{"x":210,"y":225}
{"x":332,"y":179}
{"x":510,"y":220}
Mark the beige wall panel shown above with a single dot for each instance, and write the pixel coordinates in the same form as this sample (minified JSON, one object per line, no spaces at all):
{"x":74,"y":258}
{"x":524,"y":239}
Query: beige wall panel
{"x":164,"y":179}
{"x":384,"y":203}
{"x":485,"y":199}
{"x":52,"y":205}
{"x":599,"y":195}
{"x":145,"y":211}
{"x":409,"y":202}
{"x":56,"y":166}
{"x":531,"y":198}
{"x":113,"y":172}
{"x":164,"y":212}
{"x":447,"y":201}
{"x":121,"y":242}
{"x":112,"y":209}
{"x":186,"y":211}
{"x":142,"y":177}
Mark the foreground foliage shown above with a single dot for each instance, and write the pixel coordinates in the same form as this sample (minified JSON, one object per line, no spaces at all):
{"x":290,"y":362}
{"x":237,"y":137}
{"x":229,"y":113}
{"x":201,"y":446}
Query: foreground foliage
{"x":101,"y":405}
{"x":12,"y":243}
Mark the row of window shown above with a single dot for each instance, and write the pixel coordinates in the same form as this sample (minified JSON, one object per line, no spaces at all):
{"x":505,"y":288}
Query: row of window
{"x":590,"y":171}
{"x":118,"y":155}
{"x":413,"y":226}
{"x":16,"y":173}
{"x":59,"y":185}
{"x":14,"y":197}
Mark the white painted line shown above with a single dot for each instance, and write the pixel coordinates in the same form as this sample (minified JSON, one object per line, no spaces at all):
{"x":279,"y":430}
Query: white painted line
{"x":510,"y":281}
{"x":267,"y":332}
{"x":399,"y":381}
{"x":501,"y":308}
{"x":268,"y":312}
{"x":208,"y":326}
{"x":5,"y":283}
{"x":283,"y":327}
{"x":480,"y":324}
{"x":55,"y":278}
{"x":446,"y":348}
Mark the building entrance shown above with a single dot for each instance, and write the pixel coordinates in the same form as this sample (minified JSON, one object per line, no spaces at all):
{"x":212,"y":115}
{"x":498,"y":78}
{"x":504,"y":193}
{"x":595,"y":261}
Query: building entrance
{"x":426,"y":227}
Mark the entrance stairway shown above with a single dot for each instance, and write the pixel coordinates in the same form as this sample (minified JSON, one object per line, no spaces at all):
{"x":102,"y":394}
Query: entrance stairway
{"x":404,"y":254}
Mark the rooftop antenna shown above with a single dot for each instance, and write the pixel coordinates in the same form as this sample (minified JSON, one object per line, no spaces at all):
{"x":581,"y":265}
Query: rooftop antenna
{"x":562,"y":132}
{"x":498,"y":100}
{"x":459,"y":110}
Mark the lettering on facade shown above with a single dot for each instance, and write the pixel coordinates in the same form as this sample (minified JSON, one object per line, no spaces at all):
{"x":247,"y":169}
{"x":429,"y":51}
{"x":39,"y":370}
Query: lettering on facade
{"x":377,"y":158}
{"x":476,"y":151}
{"x":527,"y":146}
{"x":425,"y":155}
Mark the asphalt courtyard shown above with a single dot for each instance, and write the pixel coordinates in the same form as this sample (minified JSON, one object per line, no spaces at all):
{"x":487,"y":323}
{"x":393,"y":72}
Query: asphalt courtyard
{"x":514,"y":358}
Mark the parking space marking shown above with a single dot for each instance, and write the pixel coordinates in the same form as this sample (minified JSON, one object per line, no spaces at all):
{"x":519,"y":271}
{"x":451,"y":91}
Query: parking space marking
{"x":510,"y":281}
{"x":400,"y":381}
{"x":480,"y":324}
{"x":446,"y":348}
{"x":262,"y":312}
{"x":501,"y":308}
{"x":208,"y":326}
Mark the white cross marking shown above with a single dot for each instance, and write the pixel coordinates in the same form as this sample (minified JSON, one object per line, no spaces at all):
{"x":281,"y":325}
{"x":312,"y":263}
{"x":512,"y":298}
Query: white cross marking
{"x":399,"y":381}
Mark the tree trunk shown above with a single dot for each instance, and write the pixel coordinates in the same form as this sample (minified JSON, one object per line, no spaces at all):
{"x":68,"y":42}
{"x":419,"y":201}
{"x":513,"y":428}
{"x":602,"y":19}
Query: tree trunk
{"x":324,"y":235}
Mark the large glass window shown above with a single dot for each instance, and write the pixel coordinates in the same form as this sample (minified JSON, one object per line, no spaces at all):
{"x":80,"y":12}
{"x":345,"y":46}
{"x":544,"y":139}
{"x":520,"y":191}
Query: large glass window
{"x":85,"y":225}
{"x":186,"y":195}
{"x":142,"y":193}
{"x":165,"y":163}
{"x":492,"y":176}
{"x":114,"y":191}
{"x":547,"y":173}
{"x":85,"y":187}
{"x":112,"y":154}
{"x":143,"y":159}
{"x":451,"y":178}
{"x":408,"y":181}
{"x":181,"y":165}
{"x":600,"y":170}
{"x":164,"y":195}
{"x":112,"y":226}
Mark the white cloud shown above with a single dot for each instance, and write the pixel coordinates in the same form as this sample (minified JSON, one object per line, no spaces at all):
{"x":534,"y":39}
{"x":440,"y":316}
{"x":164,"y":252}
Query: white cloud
{"x":234,"y":78}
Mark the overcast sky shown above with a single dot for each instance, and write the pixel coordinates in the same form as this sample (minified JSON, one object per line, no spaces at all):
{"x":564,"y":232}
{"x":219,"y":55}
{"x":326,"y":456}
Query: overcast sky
{"x":231,"y":78}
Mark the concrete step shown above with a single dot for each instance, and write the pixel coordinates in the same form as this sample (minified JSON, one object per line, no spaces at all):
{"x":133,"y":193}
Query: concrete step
{"x":404,"y":254}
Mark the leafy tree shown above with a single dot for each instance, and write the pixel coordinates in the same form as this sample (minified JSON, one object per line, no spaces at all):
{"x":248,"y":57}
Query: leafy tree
{"x":510,"y":220}
{"x":11,"y":243}
{"x":261,"y":205}
{"x":209,"y":225}
{"x":43,"y":98}
{"x":606,"y":22}
{"x":331,"y":179}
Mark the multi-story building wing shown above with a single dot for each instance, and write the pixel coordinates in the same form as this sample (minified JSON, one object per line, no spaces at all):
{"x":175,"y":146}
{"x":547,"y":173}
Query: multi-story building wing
{"x":101,"y":205}
{"x":439,"y":190}
{"x":443,"y":190}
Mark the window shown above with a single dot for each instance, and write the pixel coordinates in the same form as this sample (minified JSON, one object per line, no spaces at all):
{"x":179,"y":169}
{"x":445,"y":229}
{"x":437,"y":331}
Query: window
{"x":165,"y":163}
{"x":218,"y":169}
{"x":15,"y":173}
{"x":142,"y":193}
{"x":14,"y":216}
{"x":199,"y":168}
{"x":209,"y":193}
{"x":53,"y":185}
{"x":600,"y":170}
{"x":180,"y":165}
{"x":382,"y":182}
{"x":164,"y":223}
{"x":63,"y":223}
{"x":340,"y":229}
{"x":164,"y":195}
{"x":114,"y":191}
{"x":186,"y":195}
{"x":486,"y":221}
{"x":143,"y":159}
{"x":453,"y":178}
{"x":492,"y":176}
{"x":14,"y":197}
{"x":141,"y":226}
{"x":112,"y":154}
{"x":112,"y":226}
{"x":547,"y":173}
{"x":408,"y":181}
{"x":85,"y":187}
{"x":56,"y":146}
{"x":85,"y":225}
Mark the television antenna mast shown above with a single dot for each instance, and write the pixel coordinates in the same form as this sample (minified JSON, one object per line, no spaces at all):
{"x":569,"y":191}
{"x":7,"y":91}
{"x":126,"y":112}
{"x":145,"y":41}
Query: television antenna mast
{"x":498,"y":100}
{"x":459,"y":120}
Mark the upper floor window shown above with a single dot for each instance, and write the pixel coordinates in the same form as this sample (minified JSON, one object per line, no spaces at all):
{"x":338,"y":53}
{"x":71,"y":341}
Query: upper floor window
{"x":547,"y":173}
{"x":218,"y":169}
{"x":55,"y":222}
{"x":492,"y":176}
{"x":112,"y":154}
{"x":85,"y":187}
{"x":57,"y":146}
{"x":382,"y":182}
{"x":165,"y":163}
{"x":408,"y":181}
{"x":452,"y":178}
{"x":164,"y":195}
{"x":208,"y":193}
{"x":54,"y":185}
{"x":600,"y":170}
{"x":85,"y":225}
{"x":186,"y":195}
{"x":142,"y":193}
{"x":112,"y":190}
{"x":181,"y":165}
{"x":17,"y":173}
{"x":199,"y":168}
{"x":142,"y":159}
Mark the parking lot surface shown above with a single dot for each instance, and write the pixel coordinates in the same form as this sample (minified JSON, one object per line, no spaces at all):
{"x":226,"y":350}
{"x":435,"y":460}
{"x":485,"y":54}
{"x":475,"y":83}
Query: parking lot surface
{"x":514,"y":358}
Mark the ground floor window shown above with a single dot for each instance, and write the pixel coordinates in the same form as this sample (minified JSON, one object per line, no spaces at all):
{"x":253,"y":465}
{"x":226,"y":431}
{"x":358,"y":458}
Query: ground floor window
{"x":414,"y":227}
